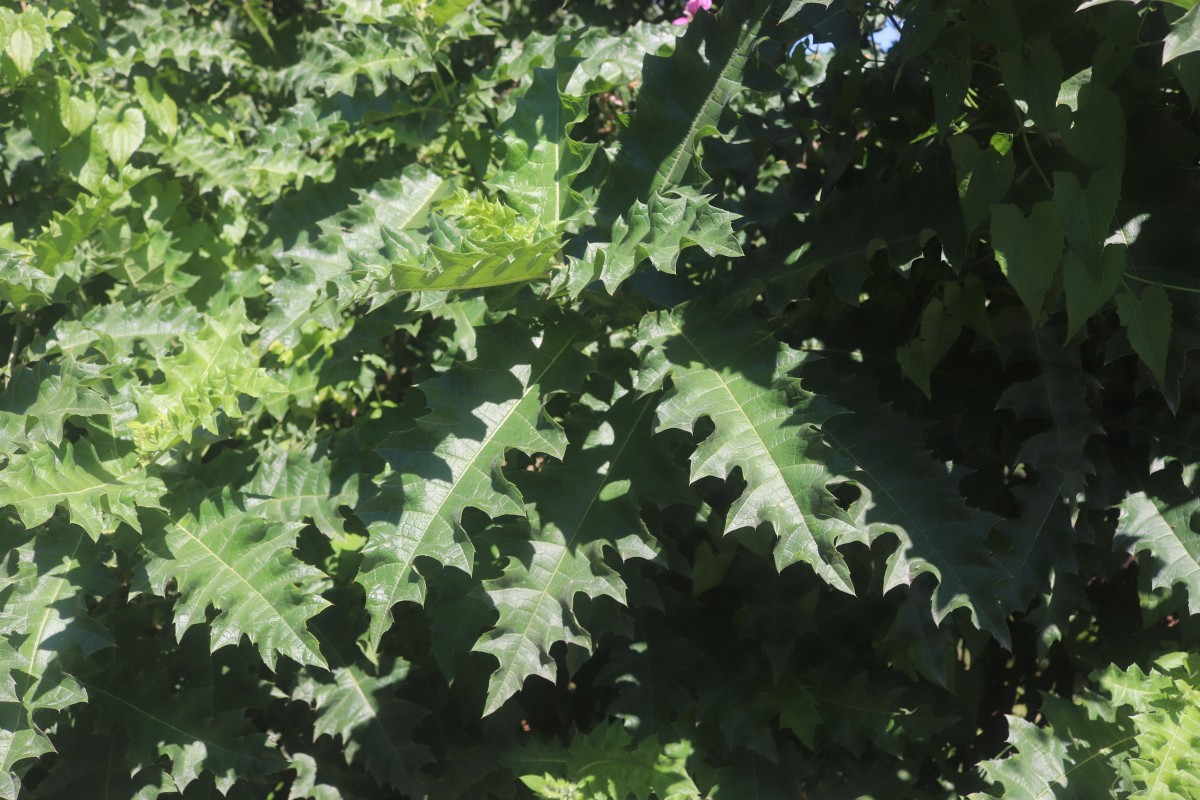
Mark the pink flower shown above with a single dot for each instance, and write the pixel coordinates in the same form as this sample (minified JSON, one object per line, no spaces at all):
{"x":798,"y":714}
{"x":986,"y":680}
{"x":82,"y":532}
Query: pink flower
{"x":690,"y":9}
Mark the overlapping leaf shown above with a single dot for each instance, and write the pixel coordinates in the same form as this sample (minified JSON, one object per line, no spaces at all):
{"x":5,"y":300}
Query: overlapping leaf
{"x":45,"y":624}
{"x":207,"y":378}
{"x":917,"y":501}
{"x":450,"y":461}
{"x":576,"y":510}
{"x":603,"y":763}
{"x":374,"y":726}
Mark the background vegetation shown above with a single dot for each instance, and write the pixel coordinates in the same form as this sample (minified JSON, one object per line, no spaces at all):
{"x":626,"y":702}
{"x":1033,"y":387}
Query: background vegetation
{"x":419,"y":398}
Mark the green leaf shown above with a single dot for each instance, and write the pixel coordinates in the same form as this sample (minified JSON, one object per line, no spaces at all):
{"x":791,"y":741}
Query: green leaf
{"x":158,"y":105}
{"x":541,"y":158}
{"x":1042,"y":764}
{"x":850,"y":227}
{"x":659,"y":231}
{"x":1032,"y":77}
{"x":940,"y":329}
{"x":1164,"y":520}
{"x":28,"y":38}
{"x":207,"y":378}
{"x":950,"y":79}
{"x":916,"y":499}
{"x":320,"y":274}
{"x":375,"y":726}
{"x":1147,"y":319}
{"x":983,"y":176}
{"x":1029,"y":250}
{"x":473,"y":243}
{"x":449,"y":462}
{"x":292,"y":485}
{"x":97,"y":493}
{"x":41,"y":397}
{"x":1184,"y":37}
{"x":47,"y":582}
{"x":680,"y":101}
{"x":380,"y":55}
{"x":1168,"y":739}
{"x":576,"y":510}
{"x":1095,"y":132}
{"x":77,"y":112}
{"x":726,"y":367}
{"x":181,"y":713}
{"x":1092,"y":270}
{"x":122,"y":134}
{"x":604,"y":764}
{"x":221,"y":555}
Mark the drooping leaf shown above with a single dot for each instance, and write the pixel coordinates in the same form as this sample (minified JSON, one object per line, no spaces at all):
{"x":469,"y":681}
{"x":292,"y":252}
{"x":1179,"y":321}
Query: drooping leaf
{"x":1029,"y":250}
{"x":1148,"y":319}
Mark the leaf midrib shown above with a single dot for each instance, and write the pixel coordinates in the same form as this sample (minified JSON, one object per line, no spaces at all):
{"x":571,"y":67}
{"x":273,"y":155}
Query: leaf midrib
{"x":320,"y":661}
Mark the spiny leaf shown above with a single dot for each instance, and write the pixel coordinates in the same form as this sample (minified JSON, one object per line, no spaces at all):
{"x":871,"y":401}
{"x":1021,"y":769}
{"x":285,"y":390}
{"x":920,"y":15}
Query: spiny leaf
{"x":379,"y":55}
{"x":223,"y":555}
{"x":98,"y":494}
{"x":321,"y":276}
{"x":541,"y":158}
{"x":375,"y":726}
{"x":187,"y":720}
{"x":917,"y":500}
{"x":576,"y":510}
{"x":293,"y":485}
{"x":659,"y":231}
{"x":681,"y":99}
{"x":726,"y":367}
{"x":1061,"y":393}
{"x":604,"y":763}
{"x":41,"y":397}
{"x":473,"y":243}
{"x":209,"y":376}
{"x":449,"y":462}
{"x":45,"y":623}
{"x":1164,"y":519}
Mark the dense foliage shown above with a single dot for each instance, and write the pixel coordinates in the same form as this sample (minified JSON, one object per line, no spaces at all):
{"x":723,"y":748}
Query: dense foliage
{"x":419,"y":398}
